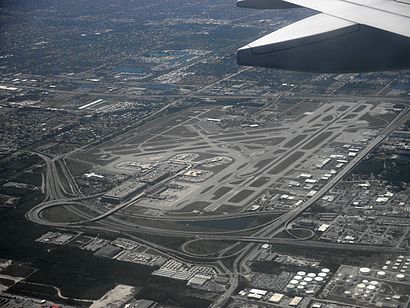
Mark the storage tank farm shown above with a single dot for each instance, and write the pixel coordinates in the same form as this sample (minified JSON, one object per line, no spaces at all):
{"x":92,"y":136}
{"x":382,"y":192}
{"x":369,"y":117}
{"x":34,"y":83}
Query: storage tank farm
{"x":367,"y":286}
{"x":305,"y":283}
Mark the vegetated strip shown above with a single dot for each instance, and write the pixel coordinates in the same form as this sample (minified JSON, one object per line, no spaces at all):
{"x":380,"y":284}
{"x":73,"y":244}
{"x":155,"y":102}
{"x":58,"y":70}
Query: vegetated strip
{"x":242,"y":195}
{"x":221,"y":192}
{"x":360,"y":108}
{"x":286,"y":162}
{"x":268,"y":141}
{"x":225,"y":177}
{"x":314,"y":118}
{"x":264,"y":162}
{"x":260,"y":181}
{"x":317,"y":140}
{"x":294,"y":141}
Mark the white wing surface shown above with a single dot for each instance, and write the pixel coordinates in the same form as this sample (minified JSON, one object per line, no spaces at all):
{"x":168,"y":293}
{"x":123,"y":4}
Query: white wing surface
{"x":346,"y":36}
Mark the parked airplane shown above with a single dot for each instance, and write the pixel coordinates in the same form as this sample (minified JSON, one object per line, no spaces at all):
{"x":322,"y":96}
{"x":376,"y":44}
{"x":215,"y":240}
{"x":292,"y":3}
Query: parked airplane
{"x":346,"y":36}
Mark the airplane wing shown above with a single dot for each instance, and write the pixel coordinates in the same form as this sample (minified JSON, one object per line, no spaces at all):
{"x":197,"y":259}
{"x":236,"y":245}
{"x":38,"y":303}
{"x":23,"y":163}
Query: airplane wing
{"x":345,"y":36}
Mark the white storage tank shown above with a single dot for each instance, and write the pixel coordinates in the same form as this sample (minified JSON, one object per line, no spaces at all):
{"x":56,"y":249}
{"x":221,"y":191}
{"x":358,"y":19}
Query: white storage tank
{"x":347,"y":293}
{"x":400,"y":277}
{"x":374,"y":283}
{"x":381,"y":274}
{"x":361,"y":286}
{"x":365,"y":271}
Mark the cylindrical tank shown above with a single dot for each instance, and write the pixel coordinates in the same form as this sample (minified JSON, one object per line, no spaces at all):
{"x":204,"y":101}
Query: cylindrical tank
{"x":365,"y":271}
{"x":400,"y":277}
{"x":347,"y":293}
{"x":371,"y":288}
{"x":361,"y":286}
{"x":374,"y":283}
{"x":381,"y":274}
{"x":290,"y":288}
